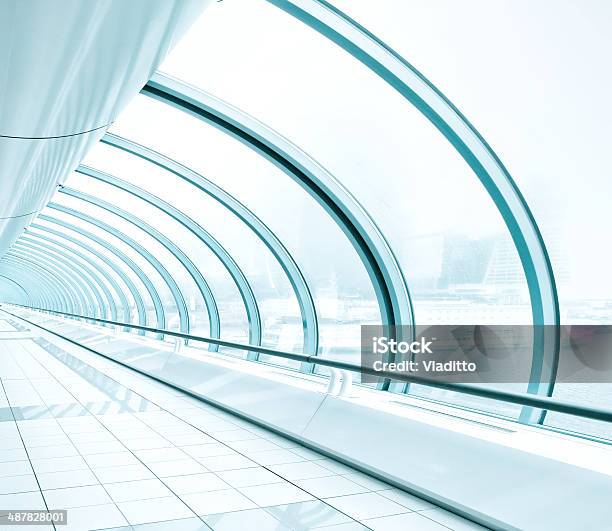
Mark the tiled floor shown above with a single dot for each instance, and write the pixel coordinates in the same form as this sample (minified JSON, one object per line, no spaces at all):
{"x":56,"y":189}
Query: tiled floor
{"x":118,"y":450}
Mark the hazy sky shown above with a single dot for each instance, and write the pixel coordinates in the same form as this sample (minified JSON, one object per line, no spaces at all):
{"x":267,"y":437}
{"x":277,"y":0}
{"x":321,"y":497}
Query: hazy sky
{"x":533,"y":77}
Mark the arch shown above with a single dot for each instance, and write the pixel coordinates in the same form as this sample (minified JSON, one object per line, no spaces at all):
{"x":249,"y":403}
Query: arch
{"x":142,"y":315}
{"x":310,"y":325}
{"x":391,"y":67}
{"x":77,"y":290}
{"x":124,"y":302}
{"x":157,"y":303}
{"x":25,"y":292}
{"x":377,"y":257}
{"x":77,"y":267}
{"x":62,"y":251}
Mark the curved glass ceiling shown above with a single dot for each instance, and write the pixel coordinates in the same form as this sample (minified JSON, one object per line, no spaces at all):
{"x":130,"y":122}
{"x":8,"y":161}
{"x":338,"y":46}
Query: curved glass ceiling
{"x":334,"y":186}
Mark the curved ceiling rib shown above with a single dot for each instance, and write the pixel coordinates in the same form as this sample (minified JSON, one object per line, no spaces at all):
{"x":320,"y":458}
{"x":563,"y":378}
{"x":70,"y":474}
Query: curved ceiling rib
{"x":298,"y":283}
{"x":142,"y":314}
{"x":19,"y":286}
{"x":203,"y":287}
{"x":77,"y":292}
{"x":96,"y":286}
{"x":230,"y":265}
{"x":45,"y":293}
{"x":420,"y":92}
{"x":64,"y":294}
{"x":84,"y":263}
{"x":179,"y":300}
{"x":160,"y":313}
{"x":120,"y":294}
{"x":87,"y":287}
{"x":377,"y":257}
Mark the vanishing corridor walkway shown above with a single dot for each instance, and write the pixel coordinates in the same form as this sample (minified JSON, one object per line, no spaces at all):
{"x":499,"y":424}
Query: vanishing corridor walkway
{"x":119,"y":450}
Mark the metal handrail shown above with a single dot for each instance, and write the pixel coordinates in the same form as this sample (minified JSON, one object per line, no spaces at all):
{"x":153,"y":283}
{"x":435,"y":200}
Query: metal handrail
{"x":542,"y":402}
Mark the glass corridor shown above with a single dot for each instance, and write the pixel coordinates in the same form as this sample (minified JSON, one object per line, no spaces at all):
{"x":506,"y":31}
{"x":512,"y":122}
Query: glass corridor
{"x":277,"y":185}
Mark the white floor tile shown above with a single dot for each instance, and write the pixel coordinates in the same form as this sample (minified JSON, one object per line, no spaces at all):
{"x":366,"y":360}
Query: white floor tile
{"x":252,"y":445}
{"x":308,"y":515}
{"x":76,"y":497}
{"x":179,"y":467}
{"x":208,"y":450}
{"x":156,"y":510}
{"x":413,"y":503}
{"x":236,"y":435}
{"x":94,"y":517}
{"x":47,"y":452}
{"x":247,"y":477}
{"x":10,"y":443}
{"x":307,"y":453}
{"x":218,"y":501}
{"x":15,"y":468}
{"x":275,"y":457}
{"x":330,"y":486}
{"x":401,"y":522}
{"x":189,"y":439}
{"x":255,"y":519}
{"x":226,"y":462}
{"x":137,"y":490}
{"x":195,"y":483}
{"x":54,"y":440}
{"x":336,"y":467}
{"x":156,"y":455}
{"x":369,"y":482}
{"x":114,"y":474}
{"x":61,"y":480}
{"x":369,"y":505}
{"x":275,"y":494}
{"x":23,"y":500}
{"x":455,"y":522}
{"x":15,"y":484}
{"x":111,"y":459}
{"x":147,"y":443}
{"x":100,"y":448}
{"x":14,"y":454}
{"x":98,"y":436}
{"x":59,"y":464}
{"x":302,"y":470}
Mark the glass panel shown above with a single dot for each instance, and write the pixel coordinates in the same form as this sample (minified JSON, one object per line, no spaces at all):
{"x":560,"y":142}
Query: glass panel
{"x":70,"y":247}
{"x":136,"y":235}
{"x":452,"y":244}
{"x":341,"y":288}
{"x":101,"y":250}
{"x":530,"y":103}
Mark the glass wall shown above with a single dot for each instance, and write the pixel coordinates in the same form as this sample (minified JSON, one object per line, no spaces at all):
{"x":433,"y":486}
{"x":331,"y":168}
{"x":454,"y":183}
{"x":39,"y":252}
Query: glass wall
{"x":265,"y":225}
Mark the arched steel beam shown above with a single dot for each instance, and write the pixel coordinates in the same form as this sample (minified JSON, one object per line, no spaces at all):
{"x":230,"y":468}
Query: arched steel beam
{"x":377,"y":257}
{"x":420,"y":92}
{"x":74,"y":285}
{"x":160,"y":313}
{"x":25,"y":292}
{"x":40,"y":292}
{"x":79,"y":270}
{"x":212,"y":309}
{"x":76,"y":280}
{"x":298,"y":283}
{"x":85,"y":263}
{"x":242,"y":283}
{"x":69,"y":292}
{"x":62,"y":296}
{"x":163,"y":241}
{"x":140,"y":307}
{"x":127,"y":313}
